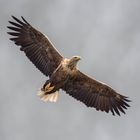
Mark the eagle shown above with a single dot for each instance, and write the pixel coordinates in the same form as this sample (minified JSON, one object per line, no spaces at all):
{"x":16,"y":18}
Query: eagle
{"x":63,"y":73}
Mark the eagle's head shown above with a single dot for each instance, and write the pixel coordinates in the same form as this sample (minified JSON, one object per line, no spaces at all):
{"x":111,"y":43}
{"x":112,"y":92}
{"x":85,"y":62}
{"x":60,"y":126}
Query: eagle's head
{"x":73,"y":62}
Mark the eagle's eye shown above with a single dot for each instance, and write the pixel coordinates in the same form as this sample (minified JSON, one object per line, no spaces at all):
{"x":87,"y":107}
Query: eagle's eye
{"x":77,"y":57}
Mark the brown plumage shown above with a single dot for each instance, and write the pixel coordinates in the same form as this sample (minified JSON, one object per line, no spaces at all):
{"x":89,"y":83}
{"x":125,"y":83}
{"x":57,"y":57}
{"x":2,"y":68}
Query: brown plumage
{"x":36,"y":46}
{"x":63,"y":73}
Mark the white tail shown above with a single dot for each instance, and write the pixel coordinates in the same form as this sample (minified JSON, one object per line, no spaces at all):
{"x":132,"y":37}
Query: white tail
{"x":53,"y":97}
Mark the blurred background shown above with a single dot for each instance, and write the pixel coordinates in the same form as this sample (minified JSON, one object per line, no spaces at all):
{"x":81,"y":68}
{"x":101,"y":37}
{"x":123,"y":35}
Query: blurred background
{"x":106,"y":34}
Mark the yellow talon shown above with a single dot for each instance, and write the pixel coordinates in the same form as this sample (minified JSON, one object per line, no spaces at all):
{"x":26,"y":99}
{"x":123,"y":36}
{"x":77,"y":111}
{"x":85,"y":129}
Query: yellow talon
{"x":48,"y":88}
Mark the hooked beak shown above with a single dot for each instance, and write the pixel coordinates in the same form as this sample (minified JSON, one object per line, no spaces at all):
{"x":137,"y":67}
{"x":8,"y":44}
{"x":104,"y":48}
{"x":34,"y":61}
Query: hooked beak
{"x":78,"y":58}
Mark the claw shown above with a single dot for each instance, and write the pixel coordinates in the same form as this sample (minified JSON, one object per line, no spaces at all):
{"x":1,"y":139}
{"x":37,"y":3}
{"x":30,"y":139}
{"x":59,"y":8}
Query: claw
{"x":47,"y":86}
{"x":49,"y":89}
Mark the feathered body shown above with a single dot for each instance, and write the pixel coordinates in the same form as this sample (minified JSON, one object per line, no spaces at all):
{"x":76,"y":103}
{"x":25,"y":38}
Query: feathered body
{"x":63,"y":73}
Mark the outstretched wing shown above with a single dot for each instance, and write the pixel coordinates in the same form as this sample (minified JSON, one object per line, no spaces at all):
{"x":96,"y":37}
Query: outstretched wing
{"x":36,"y":46}
{"x":95,"y":94}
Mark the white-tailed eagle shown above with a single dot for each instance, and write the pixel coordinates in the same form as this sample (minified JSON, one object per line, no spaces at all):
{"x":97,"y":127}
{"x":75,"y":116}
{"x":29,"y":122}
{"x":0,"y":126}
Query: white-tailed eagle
{"x":63,"y":73}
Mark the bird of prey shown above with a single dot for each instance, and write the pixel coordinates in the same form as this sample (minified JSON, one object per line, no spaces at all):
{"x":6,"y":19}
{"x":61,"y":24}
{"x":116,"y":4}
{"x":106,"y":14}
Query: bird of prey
{"x":63,"y":73}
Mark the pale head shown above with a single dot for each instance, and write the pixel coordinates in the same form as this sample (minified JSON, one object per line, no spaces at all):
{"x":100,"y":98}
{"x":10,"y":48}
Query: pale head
{"x":73,"y":62}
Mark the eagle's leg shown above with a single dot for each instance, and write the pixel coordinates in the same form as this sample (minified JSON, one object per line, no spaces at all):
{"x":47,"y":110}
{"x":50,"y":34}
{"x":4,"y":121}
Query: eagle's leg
{"x":47,"y":93}
{"x":48,"y":88}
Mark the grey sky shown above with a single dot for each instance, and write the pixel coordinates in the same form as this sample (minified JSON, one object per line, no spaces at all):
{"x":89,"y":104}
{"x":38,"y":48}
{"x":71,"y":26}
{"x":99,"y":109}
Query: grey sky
{"x":106,"y":34}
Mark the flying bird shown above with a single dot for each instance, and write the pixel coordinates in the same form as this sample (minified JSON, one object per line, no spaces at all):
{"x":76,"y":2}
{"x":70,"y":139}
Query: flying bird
{"x":63,"y":73}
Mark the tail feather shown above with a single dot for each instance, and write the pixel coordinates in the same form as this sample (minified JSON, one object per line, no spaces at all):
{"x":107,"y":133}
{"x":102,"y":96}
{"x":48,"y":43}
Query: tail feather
{"x":53,"y":97}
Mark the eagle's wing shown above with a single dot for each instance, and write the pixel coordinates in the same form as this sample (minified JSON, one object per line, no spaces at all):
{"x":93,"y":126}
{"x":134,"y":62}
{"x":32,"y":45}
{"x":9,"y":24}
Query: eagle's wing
{"x":36,"y":46}
{"x":95,"y":94}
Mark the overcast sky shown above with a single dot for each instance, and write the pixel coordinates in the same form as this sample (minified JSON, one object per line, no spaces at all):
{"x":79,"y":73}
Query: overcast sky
{"x":106,"y":34}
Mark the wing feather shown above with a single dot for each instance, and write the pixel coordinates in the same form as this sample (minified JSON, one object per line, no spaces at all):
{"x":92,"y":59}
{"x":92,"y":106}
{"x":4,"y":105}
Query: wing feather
{"x":36,"y":46}
{"x":95,"y":94}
